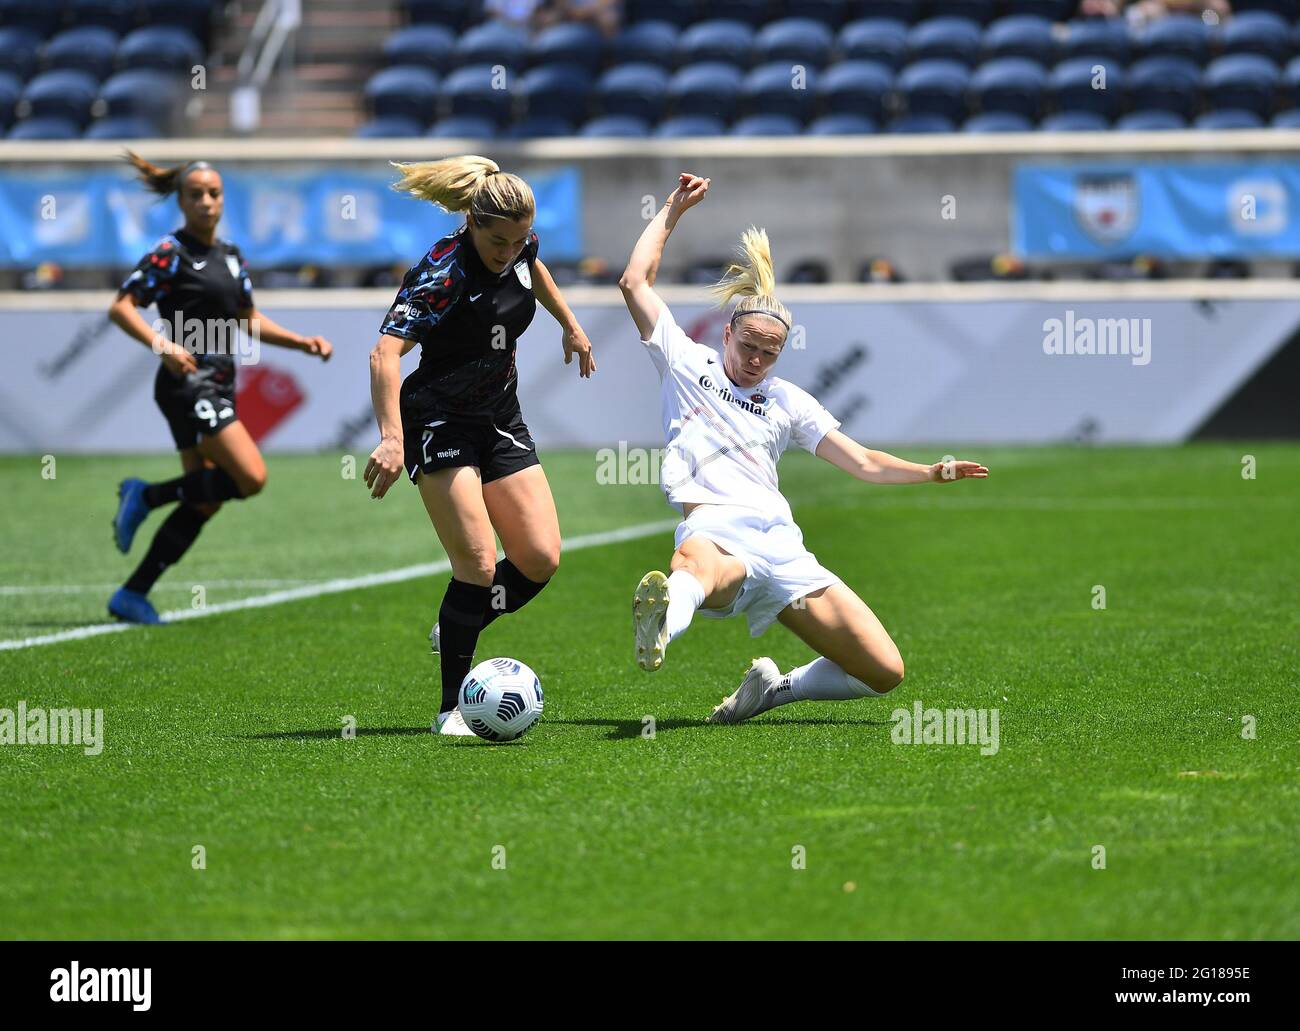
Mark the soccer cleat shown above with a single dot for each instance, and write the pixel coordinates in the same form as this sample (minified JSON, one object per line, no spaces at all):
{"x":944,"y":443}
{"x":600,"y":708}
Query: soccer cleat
{"x":435,"y":640}
{"x":649,"y":620}
{"x":452,"y":724}
{"x":133,"y":607}
{"x":758,"y":692}
{"x":131,"y":512}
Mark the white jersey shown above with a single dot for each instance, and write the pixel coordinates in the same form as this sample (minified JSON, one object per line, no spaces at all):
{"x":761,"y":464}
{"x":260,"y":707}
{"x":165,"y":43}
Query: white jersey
{"x":723,"y":440}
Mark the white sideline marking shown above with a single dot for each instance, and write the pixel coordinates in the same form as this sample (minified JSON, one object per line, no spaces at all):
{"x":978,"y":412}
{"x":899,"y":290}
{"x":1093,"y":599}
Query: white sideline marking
{"x":391,"y":576}
{"x":7,"y":590}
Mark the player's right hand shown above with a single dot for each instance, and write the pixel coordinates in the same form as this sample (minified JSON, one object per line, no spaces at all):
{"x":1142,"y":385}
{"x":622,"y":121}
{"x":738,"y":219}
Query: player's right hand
{"x":690,"y":191}
{"x":179,"y":362}
{"x":384,"y":467}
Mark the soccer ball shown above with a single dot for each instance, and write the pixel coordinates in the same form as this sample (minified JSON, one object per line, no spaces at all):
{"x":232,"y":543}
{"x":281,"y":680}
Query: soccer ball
{"x":501,"y":699}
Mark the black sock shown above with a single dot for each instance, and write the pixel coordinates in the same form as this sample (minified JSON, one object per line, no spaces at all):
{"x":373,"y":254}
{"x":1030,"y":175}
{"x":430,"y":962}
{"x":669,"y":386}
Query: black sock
{"x":511,"y":591}
{"x":460,"y":619}
{"x":198,"y":487}
{"x":172,"y":540}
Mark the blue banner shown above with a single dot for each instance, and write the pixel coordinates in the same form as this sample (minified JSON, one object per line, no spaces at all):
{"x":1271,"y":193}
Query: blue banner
{"x":1243,"y":209}
{"x":322,"y":218}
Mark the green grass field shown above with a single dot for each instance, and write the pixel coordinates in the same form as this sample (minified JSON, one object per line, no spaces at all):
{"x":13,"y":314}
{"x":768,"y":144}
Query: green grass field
{"x":1120,"y":727}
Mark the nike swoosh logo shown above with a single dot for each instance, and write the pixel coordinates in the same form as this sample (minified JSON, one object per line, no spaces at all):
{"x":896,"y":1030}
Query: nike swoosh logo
{"x":712,"y":362}
{"x":475,"y":297}
{"x":199,"y":266}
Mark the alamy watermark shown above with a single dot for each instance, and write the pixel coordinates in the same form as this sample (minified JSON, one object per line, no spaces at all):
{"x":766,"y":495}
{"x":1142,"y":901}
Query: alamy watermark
{"x":84,"y":727}
{"x":1083,"y":335}
{"x":922,"y":726}
{"x":239,"y":338}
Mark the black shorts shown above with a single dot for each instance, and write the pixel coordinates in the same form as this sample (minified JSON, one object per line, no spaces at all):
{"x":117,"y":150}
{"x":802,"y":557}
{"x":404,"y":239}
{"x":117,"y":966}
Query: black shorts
{"x":496,"y":448}
{"x":201,"y":404}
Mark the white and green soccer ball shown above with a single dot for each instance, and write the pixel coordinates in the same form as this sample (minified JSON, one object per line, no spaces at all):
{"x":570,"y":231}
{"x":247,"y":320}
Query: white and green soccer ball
{"x":500,"y":699}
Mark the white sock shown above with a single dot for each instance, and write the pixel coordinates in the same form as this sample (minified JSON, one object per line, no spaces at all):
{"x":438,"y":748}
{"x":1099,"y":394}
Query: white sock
{"x":823,"y":681}
{"x":685,"y":595}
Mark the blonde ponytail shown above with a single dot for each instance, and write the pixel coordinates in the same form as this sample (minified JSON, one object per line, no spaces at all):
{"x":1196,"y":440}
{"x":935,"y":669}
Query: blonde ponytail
{"x":471,"y":184}
{"x":753,"y":280}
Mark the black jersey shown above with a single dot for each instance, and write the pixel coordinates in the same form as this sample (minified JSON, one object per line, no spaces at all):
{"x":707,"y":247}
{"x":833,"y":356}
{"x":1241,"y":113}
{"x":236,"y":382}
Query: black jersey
{"x":185,"y":277}
{"x":467,"y":320}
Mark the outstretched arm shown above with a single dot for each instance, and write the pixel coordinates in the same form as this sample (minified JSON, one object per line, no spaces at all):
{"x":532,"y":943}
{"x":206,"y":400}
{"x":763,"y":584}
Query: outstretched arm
{"x":843,"y":452}
{"x":638,"y":278}
{"x":271,"y":332}
{"x":575,"y":340}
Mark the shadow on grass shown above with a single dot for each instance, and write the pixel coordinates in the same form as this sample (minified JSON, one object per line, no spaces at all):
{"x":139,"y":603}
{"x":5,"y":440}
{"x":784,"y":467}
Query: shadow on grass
{"x":336,"y":732}
{"x":624,"y":729}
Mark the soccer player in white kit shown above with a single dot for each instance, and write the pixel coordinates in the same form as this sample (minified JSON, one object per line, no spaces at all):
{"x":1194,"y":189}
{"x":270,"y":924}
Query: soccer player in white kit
{"x":727,"y":420}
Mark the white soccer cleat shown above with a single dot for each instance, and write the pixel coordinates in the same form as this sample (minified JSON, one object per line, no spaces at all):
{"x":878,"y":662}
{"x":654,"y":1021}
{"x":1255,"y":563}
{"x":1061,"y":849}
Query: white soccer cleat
{"x":452,"y":724}
{"x":649,"y":615}
{"x":435,"y":640}
{"x":758,"y":692}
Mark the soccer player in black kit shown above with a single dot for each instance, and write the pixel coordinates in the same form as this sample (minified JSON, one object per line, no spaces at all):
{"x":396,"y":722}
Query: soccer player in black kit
{"x":199,"y":282}
{"x":455,"y":426}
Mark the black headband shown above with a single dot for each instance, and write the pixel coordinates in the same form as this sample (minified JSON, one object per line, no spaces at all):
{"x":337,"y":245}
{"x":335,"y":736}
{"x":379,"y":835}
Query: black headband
{"x":761,"y":311}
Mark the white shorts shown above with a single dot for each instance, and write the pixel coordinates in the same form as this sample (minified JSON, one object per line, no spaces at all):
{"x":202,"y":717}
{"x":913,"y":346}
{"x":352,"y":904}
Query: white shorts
{"x":778,"y":568}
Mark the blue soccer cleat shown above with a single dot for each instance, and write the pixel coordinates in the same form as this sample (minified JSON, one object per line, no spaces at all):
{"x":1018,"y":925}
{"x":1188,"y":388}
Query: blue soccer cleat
{"x":131,"y":512}
{"x":133,"y":607}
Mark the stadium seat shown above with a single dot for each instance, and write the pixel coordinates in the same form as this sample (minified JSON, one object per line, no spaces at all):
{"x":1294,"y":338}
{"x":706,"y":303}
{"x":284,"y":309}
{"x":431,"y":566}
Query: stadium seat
{"x":539,"y":127}
{"x":912,"y":124}
{"x":855,"y":88}
{"x":950,"y":39}
{"x":118,"y":15}
{"x":388,"y":127}
{"x":772,"y":89}
{"x":1011,"y":84}
{"x":1075,"y":121}
{"x":492,"y":43}
{"x":129,"y":128}
{"x":616,"y":126}
{"x":64,"y":94}
{"x":767,"y":125}
{"x":905,"y":11}
{"x":165,"y":48}
{"x":1287,"y":119}
{"x":1175,"y":35}
{"x":145,"y":92}
{"x":472,"y":91}
{"x":720,"y":41}
{"x":1021,"y":35}
{"x":842,"y":125}
{"x":1229,"y":118}
{"x":11,"y":88}
{"x":90,"y":48}
{"x":1150,"y":120}
{"x":1244,"y":82}
{"x":454,"y":14}
{"x":794,"y":41}
{"x":19,"y":50}
{"x":558,"y":90}
{"x":883,"y":40}
{"x":709,"y":89}
{"x":45,"y":129}
{"x":997,"y":121}
{"x":1097,"y":37}
{"x":635,"y":90}
{"x":471,"y":127}
{"x":1071,"y":86}
{"x":425,"y":46}
{"x":403,"y":92}
{"x":1291,"y":78}
{"x":935,"y":88}
{"x":570,"y":43}
{"x":691,"y":125}
{"x":1257,"y":32}
{"x":676,"y":12}
{"x":647,"y":42}
{"x":978,"y":11}
{"x":829,"y":12}
{"x":37,"y":19}
{"x":194,"y":16}
{"x":1166,"y":83}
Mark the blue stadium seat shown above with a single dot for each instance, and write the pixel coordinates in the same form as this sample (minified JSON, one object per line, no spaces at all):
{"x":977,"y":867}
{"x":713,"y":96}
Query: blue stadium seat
{"x":145,"y":92}
{"x":616,"y":126}
{"x":1097,"y":37}
{"x":1071,"y":85}
{"x":45,"y":129}
{"x":11,"y":88}
{"x":935,"y":88}
{"x":842,"y":125}
{"x":730,"y":42}
{"x":772,"y":89}
{"x":1175,"y":35}
{"x":19,"y":49}
{"x":874,"y":39}
{"x":568,"y":43}
{"x":1020,"y":35}
{"x":646,"y":42}
{"x":118,"y":15}
{"x":454,"y":14}
{"x":1245,"y":82}
{"x":540,"y":127}
{"x":794,"y":41}
{"x":1012,"y":84}
{"x":558,"y":90}
{"x":64,"y":94}
{"x":925,"y":123}
{"x":767,"y":125}
{"x":38,"y":19}
{"x":1150,"y":120}
{"x":194,"y":16}
{"x":492,"y":43}
{"x":130,"y":128}
{"x":403,"y":92}
{"x":1075,"y":121}
{"x":1053,"y":10}
{"x":90,"y":48}
{"x":1229,"y":118}
{"x":1166,"y":83}
{"x":978,"y":11}
{"x":855,"y":88}
{"x":678,"y":12}
{"x":748,"y":12}
{"x":388,"y":127}
{"x":1291,"y":78}
{"x":997,"y":121}
{"x":710,"y":89}
{"x":951,"y":39}
{"x":636,"y":90}
{"x":1287,"y":119}
{"x":471,"y":127}
{"x":472,"y":91}
{"x":906,"y":11}
{"x":829,"y":12}
{"x":691,"y":125}
{"x":165,"y":48}
{"x":1257,"y":32}
{"x":429,"y":46}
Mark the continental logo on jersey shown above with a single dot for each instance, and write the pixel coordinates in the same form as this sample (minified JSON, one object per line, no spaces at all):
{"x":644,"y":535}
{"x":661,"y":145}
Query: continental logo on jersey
{"x":754,"y":406}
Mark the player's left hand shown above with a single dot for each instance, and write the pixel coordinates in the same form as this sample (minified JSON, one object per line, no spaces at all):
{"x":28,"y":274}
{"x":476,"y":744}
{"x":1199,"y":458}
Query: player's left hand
{"x":946,"y":472}
{"x":576,"y":342}
{"x":318,"y":346}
